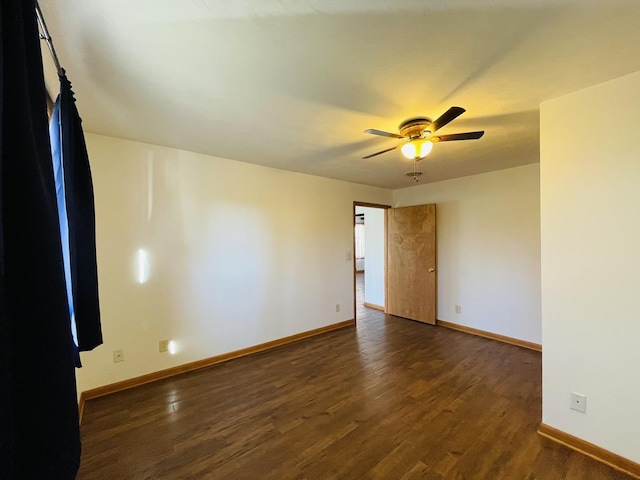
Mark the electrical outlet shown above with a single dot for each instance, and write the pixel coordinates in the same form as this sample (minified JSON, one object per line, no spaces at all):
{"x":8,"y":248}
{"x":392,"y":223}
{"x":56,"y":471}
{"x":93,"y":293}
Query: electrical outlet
{"x":458,"y":309}
{"x":578,"y":402}
{"x":163,"y":346}
{"x":118,"y":356}
{"x":337,"y":307}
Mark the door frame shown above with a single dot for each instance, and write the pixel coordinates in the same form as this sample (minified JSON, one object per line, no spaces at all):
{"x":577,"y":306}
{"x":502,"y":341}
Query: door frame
{"x":353,"y":249}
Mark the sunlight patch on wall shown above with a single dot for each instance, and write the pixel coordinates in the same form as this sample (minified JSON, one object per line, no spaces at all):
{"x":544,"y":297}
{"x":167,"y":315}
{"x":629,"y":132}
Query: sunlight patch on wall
{"x":143,"y":266}
{"x":149,"y":186}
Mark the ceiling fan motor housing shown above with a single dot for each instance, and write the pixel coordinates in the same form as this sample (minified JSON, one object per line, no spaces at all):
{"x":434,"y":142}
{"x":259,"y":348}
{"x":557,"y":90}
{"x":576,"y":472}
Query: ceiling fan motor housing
{"x":417,"y":127}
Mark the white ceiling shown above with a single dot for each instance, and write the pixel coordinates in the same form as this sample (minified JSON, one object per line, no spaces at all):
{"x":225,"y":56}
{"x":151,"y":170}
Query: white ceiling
{"x":293,"y":84}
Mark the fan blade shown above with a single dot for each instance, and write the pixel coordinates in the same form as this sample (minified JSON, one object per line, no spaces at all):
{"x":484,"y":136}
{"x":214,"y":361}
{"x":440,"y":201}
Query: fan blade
{"x":378,"y":153}
{"x":446,"y":117}
{"x":458,"y":136}
{"x":373,"y":131}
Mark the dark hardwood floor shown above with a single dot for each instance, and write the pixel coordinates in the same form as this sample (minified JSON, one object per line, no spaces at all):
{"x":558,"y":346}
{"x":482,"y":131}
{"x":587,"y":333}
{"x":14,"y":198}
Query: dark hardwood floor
{"x":390,"y":399}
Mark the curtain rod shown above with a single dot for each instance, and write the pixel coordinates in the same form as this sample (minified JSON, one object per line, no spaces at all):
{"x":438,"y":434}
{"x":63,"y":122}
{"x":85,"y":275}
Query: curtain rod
{"x":44,"y":35}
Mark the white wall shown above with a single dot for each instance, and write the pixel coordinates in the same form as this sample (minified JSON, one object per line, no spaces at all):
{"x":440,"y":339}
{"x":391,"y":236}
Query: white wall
{"x":488,"y":234}
{"x":590,"y":210}
{"x":238,"y":254}
{"x":374,"y":255}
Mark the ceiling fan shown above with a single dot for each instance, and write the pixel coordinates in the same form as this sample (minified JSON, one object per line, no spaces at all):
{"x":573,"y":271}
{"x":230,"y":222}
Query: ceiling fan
{"x":418,"y":134}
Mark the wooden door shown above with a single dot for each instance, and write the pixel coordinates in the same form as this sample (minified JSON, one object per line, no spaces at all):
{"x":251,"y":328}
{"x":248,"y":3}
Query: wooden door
{"x":411,"y":263}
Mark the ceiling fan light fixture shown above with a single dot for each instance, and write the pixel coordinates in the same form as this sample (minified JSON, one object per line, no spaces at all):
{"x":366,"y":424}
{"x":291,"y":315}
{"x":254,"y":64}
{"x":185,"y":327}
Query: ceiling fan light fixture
{"x":416,"y":149}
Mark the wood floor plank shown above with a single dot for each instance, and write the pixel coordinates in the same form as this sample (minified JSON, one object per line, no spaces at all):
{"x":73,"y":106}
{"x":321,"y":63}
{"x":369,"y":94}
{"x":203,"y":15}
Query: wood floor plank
{"x":390,"y":399}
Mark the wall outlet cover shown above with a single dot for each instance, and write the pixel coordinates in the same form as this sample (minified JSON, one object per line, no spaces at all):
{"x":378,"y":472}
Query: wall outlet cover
{"x":578,"y":402}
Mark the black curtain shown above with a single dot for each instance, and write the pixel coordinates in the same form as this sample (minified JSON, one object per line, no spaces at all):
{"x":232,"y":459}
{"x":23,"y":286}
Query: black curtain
{"x":39,"y":436}
{"x":81,"y":218}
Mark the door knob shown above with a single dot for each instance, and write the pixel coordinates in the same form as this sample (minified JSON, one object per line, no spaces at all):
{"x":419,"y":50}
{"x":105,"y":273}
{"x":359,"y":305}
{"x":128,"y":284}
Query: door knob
{"x":431,"y":270}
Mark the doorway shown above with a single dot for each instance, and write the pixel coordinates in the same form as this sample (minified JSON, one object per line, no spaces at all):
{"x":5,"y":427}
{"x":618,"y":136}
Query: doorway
{"x":369,"y":242}
{"x":404,"y":282}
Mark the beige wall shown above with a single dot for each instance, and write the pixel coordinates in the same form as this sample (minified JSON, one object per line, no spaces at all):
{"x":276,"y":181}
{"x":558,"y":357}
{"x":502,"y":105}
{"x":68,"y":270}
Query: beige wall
{"x":488,"y":249}
{"x":590,"y":211}
{"x":238,"y":255}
